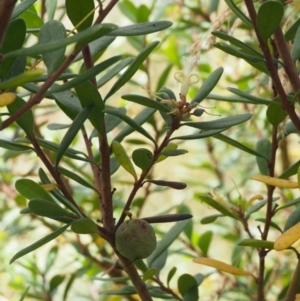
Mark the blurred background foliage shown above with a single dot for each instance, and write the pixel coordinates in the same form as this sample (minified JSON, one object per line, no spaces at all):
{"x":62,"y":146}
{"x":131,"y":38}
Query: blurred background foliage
{"x":62,"y":270}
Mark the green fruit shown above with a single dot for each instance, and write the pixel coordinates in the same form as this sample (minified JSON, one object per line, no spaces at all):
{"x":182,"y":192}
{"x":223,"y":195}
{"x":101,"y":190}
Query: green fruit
{"x":135,"y":239}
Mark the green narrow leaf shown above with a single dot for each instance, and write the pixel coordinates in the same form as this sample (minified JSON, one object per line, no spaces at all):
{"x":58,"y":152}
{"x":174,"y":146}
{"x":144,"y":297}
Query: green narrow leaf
{"x":296,"y":46}
{"x":256,"y":243}
{"x":69,"y":283}
{"x":140,"y":119}
{"x":293,"y":219}
{"x":254,"y":99}
{"x":14,"y":146}
{"x":123,"y":158}
{"x":74,"y":176}
{"x":32,"y":190}
{"x":219,"y":123}
{"x":131,"y":122}
{"x":172,"y":184}
{"x":132,"y":68}
{"x":145,"y":101}
{"x":39,"y":243}
{"x":264,"y":148}
{"x":233,"y":7}
{"x":84,"y":226}
{"x":171,"y":274}
{"x":204,"y":242}
{"x":238,"y":43}
{"x":72,"y":132}
{"x":87,"y":75}
{"x":291,"y":32}
{"x":208,"y":85}
{"x":81,"y":38}
{"x":237,"y":145}
{"x":51,"y":257}
{"x":292,"y":170}
{"x":77,"y":10}
{"x":114,"y":71}
{"x":210,"y":219}
{"x":216,"y":205}
{"x":52,"y":31}
{"x":88,"y":95}
{"x":51,"y":6}
{"x":167,"y":240}
{"x":141,"y":28}
{"x":13,"y":40}
{"x":269,"y":17}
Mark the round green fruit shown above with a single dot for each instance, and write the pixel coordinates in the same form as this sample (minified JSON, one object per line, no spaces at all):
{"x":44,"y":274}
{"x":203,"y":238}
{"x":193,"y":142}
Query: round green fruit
{"x":135,"y":239}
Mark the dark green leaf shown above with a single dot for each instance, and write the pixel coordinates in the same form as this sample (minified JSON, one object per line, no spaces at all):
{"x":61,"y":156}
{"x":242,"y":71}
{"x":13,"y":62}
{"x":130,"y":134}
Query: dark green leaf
{"x":269,"y":17}
{"x":237,"y":145}
{"x":143,"y":158}
{"x":39,"y":243}
{"x":78,"y":10}
{"x":220,"y":123}
{"x":172,"y":184}
{"x":17,"y":147}
{"x":185,"y":283}
{"x":55,"y":282}
{"x":141,"y":28}
{"x":145,"y":101}
{"x":208,"y":85}
{"x":131,"y":122}
{"x":53,"y":31}
{"x":275,"y":112}
{"x":272,"y":224}
{"x":258,"y":206}
{"x":292,"y":170}
{"x":291,"y":32}
{"x":31,"y":190}
{"x":264,"y":148}
{"x":233,"y":7}
{"x":254,"y":99}
{"x":75,"y":177}
{"x":167,"y":240}
{"x":89,"y":95}
{"x":293,"y":219}
{"x":238,"y":43}
{"x":13,"y":40}
{"x":256,"y":243}
{"x":72,"y":132}
{"x":112,"y":121}
{"x":289,"y":204}
{"x":84,"y":226}
{"x":132,"y":68}
{"x":204,"y":242}
{"x":296,"y":46}
{"x":57,"y":126}
{"x":171,"y":274}
{"x":45,"y":208}
{"x":140,"y":119}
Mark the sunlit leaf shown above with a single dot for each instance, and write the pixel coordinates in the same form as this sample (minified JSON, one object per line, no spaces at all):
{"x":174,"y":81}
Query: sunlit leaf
{"x":288,"y":238}
{"x":224,"y":267}
{"x":84,"y":226}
